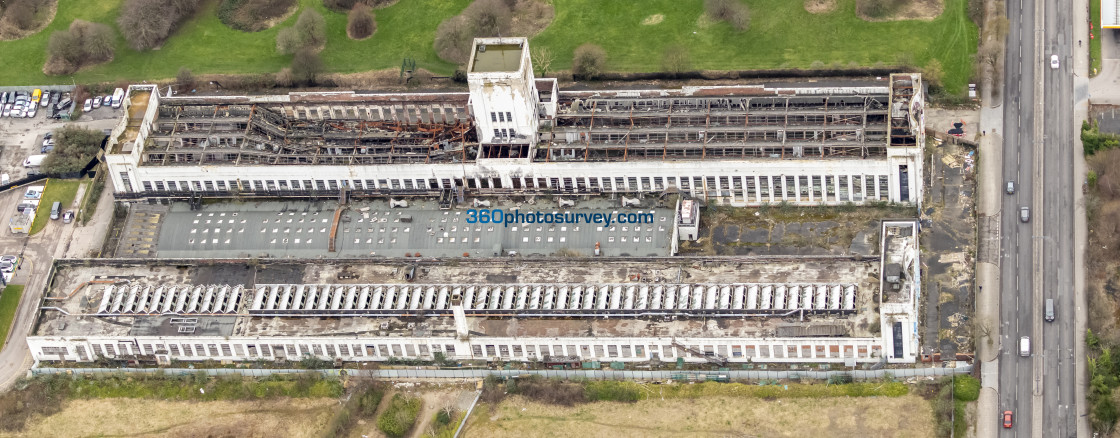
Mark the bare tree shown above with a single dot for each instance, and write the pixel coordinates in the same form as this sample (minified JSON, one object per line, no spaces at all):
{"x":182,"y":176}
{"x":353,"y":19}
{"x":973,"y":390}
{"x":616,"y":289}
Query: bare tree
{"x":453,"y":40}
{"x":145,"y":24}
{"x":306,"y":65}
{"x":360,"y":23}
{"x":489,"y":17}
{"x":82,"y":44}
{"x":542,"y":59}
{"x":733,"y":12}
{"x":310,"y":31}
{"x":676,"y":59}
{"x":588,"y":61}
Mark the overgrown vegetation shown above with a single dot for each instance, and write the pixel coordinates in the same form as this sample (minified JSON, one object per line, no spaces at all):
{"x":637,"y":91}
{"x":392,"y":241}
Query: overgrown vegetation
{"x":74,"y":148}
{"x":444,"y":423}
{"x":309,"y":32}
{"x":18,"y":16}
{"x":360,"y":22}
{"x":83,"y":44}
{"x":253,"y":15}
{"x":348,"y":5}
{"x":399,"y":416}
{"x":734,"y":12}
{"x":558,"y":392}
{"x":146,"y":24}
{"x":1104,"y":378}
{"x":588,"y":61}
{"x":43,"y":395}
{"x":1094,"y":140}
{"x":361,"y":405}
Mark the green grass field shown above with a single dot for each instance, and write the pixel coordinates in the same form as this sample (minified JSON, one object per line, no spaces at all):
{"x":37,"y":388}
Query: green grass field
{"x":1095,"y":43}
{"x":57,"y":190}
{"x":9,"y":301}
{"x":782,"y":35}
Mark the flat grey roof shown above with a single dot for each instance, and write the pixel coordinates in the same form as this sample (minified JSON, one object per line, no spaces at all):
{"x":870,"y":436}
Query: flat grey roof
{"x":373,"y":229}
{"x":496,"y":57}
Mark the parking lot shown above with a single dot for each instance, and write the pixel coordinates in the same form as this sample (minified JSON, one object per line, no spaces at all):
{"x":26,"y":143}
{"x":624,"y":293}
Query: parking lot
{"x":23,"y":137}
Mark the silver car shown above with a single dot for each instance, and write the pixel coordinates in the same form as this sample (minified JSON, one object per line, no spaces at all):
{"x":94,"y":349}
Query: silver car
{"x":1025,"y":214}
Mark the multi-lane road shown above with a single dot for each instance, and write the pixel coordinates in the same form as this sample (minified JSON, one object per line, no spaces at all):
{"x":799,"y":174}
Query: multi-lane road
{"x":1037,"y":260}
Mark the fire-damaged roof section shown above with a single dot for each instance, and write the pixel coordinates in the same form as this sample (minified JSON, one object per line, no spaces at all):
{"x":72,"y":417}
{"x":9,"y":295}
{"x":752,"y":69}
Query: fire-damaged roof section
{"x":312,"y":128}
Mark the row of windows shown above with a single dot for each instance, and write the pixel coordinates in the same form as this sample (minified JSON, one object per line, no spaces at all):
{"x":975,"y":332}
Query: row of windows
{"x":761,"y":188}
{"x":505,"y":351}
{"x":501,"y":116}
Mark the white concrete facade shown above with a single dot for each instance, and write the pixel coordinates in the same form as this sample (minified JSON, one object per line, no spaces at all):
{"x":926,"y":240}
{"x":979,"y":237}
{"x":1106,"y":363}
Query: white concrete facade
{"x":798,"y":182}
{"x":504,"y":101}
{"x":629,"y":349}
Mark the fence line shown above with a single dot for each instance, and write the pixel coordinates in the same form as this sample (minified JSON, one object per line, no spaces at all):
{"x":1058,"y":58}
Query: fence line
{"x":555,"y":374}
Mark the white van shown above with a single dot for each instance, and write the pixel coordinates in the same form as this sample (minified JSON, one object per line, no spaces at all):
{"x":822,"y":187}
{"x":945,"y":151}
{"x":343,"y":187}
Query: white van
{"x":1049,"y":315}
{"x":34,"y":161}
{"x":118,"y":97}
{"x":1025,"y":346}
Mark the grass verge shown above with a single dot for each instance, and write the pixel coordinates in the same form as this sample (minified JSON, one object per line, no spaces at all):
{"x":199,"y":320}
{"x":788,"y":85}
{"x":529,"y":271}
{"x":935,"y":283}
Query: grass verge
{"x":9,"y":302}
{"x":44,"y":396}
{"x":1095,"y":43}
{"x":782,"y":35}
{"x":57,"y":190}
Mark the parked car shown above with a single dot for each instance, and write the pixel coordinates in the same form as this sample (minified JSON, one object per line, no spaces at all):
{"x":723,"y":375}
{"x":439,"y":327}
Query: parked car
{"x":97,"y":102}
{"x":46,"y":99}
{"x":47,"y":149}
{"x":7,"y":110}
{"x":48,"y":135}
{"x":88,"y":105}
{"x":68,"y":216}
{"x":3,"y":98}
{"x":31,"y":110}
{"x":54,"y":98}
{"x":8,"y":263}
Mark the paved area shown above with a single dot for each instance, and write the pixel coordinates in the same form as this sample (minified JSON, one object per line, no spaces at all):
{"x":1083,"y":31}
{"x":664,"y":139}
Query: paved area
{"x":57,"y":240}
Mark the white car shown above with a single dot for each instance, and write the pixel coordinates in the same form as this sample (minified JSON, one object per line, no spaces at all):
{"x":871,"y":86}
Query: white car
{"x":88,"y":105}
{"x":97,"y":102}
{"x":31,"y":110}
{"x":1054,"y":61}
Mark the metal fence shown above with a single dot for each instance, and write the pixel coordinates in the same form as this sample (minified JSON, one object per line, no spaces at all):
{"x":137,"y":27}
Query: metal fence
{"x":900,"y":373}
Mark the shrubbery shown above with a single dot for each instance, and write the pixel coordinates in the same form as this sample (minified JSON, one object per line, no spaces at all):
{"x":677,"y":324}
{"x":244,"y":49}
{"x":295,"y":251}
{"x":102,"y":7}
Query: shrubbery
{"x":146,"y":24}
{"x":310,"y":31}
{"x":399,"y":416}
{"x":482,"y":18}
{"x":1094,"y":141}
{"x":252,"y":15}
{"x":84,"y":43}
{"x":588,"y":61}
{"x":733,"y":12}
{"x":346,"y":5}
{"x":21,"y":13}
{"x":360,"y":22}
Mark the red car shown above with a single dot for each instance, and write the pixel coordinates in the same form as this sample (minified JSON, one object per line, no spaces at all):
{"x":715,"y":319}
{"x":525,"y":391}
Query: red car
{"x":1006,"y":419}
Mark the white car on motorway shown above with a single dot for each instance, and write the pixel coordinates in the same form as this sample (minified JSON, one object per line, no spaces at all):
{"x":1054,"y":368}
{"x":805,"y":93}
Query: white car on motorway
{"x":1054,"y":61}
